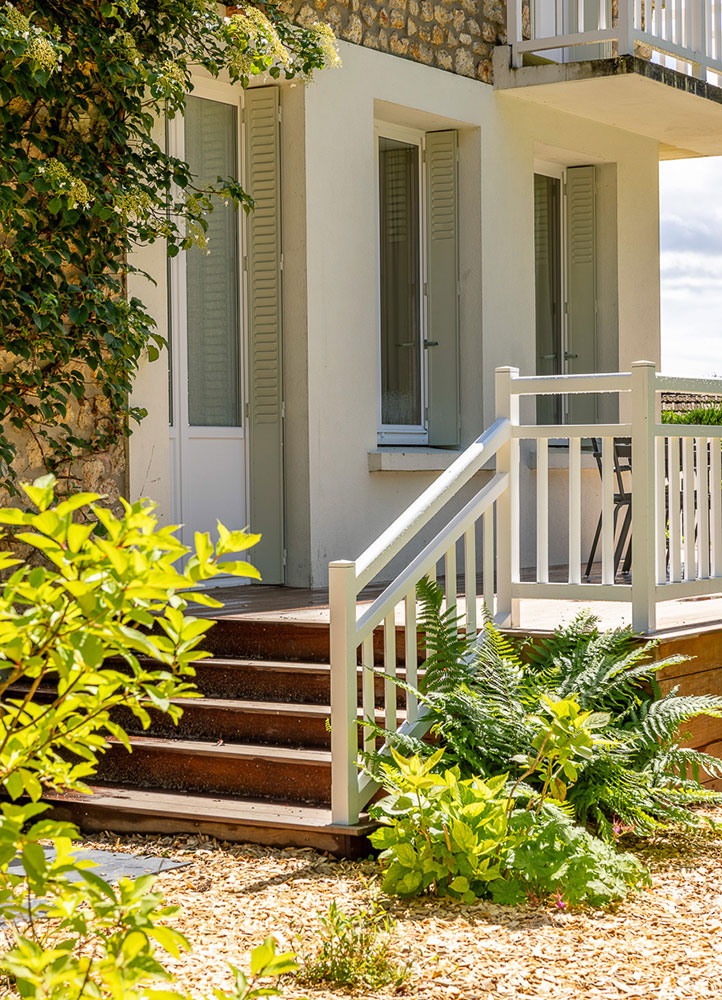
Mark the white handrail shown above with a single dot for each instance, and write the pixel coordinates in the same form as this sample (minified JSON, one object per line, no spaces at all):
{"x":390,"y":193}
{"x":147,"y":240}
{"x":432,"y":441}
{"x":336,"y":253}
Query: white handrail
{"x":674,"y":482}
{"x":428,"y":557}
{"x":408,"y":524}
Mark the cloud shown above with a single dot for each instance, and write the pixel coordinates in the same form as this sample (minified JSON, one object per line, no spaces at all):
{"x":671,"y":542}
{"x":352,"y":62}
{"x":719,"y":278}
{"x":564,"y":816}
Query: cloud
{"x":691,"y":266}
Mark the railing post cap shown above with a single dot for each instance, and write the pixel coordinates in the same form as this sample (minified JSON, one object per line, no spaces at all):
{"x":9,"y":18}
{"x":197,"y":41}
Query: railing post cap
{"x":342,"y":564}
{"x":644,"y":364}
{"x":507,"y":369}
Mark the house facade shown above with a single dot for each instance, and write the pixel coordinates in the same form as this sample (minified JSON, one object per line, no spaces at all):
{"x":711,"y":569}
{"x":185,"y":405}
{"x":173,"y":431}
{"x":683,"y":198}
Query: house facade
{"x":476,"y":186}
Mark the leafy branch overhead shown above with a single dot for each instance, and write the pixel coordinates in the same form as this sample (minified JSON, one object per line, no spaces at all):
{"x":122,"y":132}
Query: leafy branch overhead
{"x":85,"y":179}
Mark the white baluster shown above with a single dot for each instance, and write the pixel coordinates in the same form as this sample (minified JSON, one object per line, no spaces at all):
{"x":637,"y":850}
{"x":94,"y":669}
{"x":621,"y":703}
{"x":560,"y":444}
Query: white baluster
{"x":411,"y":655}
{"x":688,"y":507}
{"x":675,"y":509}
{"x":390,"y":689}
{"x":470,"y":578}
{"x":715,"y":489}
{"x":450,"y":577}
{"x":542,"y":510}
{"x":488,"y":560}
{"x":608,"y":484}
{"x":661,"y":523}
{"x":368,"y":690}
{"x":575,"y":510}
{"x":702,"y":508}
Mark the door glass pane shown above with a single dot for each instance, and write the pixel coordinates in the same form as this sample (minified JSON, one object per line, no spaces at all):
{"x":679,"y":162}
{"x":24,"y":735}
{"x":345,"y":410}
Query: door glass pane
{"x":400,"y":282}
{"x":212,"y":273}
{"x":548,"y":267}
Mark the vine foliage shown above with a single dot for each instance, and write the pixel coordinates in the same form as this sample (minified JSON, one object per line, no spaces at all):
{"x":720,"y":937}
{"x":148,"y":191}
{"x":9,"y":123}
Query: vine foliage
{"x":85,"y":179}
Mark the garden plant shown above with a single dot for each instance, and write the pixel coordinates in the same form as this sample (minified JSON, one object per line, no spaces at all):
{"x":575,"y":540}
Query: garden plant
{"x":546,"y":755}
{"x":85,"y":180}
{"x":100,"y":625}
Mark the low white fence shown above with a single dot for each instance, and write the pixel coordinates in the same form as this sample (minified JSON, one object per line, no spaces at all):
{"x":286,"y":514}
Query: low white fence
{"x":689,"y":31}
{"x":672,"y":486}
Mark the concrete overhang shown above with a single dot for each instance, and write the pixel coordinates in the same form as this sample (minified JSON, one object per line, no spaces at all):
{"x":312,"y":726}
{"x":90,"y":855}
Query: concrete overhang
{"x":682,"y":113}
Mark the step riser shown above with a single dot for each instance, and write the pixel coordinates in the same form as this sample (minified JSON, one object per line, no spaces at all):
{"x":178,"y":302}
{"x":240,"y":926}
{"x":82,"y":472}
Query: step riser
{"x":234,"y":726}
{"x":289,"y":641}
{"x":260,"y":682}
{"x":175,"y":769}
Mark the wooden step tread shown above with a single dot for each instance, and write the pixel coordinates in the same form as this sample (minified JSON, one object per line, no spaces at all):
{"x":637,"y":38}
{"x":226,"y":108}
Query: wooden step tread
{"x":308,"y":709}
{"x":151,"y":801}
{"x":241,"y":751}
{"x":242,"y":820}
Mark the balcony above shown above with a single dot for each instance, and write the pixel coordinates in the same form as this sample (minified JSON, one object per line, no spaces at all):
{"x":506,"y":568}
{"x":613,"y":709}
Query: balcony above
{"x":651,"y":67}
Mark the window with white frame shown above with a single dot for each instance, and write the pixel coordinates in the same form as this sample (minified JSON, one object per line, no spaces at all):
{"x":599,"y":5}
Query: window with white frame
{"x":418,"y":286}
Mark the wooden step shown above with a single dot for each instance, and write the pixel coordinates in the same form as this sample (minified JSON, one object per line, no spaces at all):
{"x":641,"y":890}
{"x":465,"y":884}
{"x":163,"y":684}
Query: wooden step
{"x":225,"y":768}
{"x":275,"y":680}
{"x":240,"y":721}
{"x":278,"y":824}
{"x":266,"y":639}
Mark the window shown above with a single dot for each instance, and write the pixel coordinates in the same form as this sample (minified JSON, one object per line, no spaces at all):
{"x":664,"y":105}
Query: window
{"x":418,"y":287}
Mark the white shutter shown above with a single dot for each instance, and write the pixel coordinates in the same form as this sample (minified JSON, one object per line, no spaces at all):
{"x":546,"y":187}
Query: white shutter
{"x":265,"y":375}
{"x":442,"y":226}
{"x":581,"y":285}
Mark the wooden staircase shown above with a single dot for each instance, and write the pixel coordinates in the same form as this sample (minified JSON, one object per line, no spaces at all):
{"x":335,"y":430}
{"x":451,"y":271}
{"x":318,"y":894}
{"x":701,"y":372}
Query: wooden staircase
{"x":249,"y":761}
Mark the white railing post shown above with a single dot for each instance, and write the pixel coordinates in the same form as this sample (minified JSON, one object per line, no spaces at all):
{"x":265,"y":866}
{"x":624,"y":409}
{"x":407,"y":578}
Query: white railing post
{"x":698,"y":36}
{"x":507,"y":506}
{"x":344,"y":693}
{"x":514,"y":32}
{"x":626,"y":27}
{"x":644,"y":514}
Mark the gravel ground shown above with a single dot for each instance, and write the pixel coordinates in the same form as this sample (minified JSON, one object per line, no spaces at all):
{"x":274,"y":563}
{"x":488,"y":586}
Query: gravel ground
{"x":663,"y":944}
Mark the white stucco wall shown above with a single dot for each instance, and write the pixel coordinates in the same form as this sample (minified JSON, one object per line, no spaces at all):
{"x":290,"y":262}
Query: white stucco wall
{"x":335,"y":506}
{"x":500,"y":138}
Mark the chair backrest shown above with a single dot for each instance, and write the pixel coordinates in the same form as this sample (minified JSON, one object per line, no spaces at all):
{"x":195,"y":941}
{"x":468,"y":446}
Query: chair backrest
{"x":622,"y":462}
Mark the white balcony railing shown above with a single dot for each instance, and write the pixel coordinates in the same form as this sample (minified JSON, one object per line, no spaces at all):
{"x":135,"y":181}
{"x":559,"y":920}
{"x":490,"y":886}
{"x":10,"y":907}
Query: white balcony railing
{"x":674,"y":486}
{"x":683,"y":34}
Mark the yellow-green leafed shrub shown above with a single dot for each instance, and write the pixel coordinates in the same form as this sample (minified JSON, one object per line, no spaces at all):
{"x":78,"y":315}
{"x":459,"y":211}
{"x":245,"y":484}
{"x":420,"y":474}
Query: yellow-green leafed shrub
{"x":99,"y":625}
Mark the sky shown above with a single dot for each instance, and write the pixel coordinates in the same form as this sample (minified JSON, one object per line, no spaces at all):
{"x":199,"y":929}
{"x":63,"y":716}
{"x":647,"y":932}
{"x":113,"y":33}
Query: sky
{"x":691,"y":262}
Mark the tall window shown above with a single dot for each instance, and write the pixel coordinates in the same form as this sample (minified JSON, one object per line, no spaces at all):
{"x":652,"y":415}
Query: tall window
{"x":418,"y":287}
{"x":399,"y":166}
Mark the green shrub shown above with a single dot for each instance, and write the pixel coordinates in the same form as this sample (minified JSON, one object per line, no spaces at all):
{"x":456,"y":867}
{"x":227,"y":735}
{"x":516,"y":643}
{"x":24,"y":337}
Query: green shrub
{"x":699,"y":415}
{"x":353,"y":951}
{"x":488,"y":709}
{"x":108,"y":587}
{"x":469,"y":839}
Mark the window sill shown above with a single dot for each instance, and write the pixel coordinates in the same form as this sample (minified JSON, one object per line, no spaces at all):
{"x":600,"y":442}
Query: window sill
{"x":411,"y":458}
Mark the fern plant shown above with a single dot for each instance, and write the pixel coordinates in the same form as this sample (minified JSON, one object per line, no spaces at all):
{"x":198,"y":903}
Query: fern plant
{"x":485,"y":695}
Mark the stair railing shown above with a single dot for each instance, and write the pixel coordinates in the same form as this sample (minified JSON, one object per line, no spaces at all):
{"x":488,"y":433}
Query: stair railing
{"x":362,"y":636}
{"x":675,"y":484}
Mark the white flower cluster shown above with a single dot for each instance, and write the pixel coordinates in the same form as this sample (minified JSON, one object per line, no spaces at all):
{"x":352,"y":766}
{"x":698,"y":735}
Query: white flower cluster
{"x":252,"y":27}
{"x":39,"y":47}
{"x":327,"y":43}
{"x":62,"y":182}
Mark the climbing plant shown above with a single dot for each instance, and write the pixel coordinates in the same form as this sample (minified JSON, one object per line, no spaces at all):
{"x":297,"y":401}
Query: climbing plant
{"x":85,"y":178}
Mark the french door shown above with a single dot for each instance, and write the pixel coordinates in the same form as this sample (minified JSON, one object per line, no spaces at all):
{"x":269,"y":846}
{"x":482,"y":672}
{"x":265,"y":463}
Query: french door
{"x":207,"y":344}
{"x":565,"y":254}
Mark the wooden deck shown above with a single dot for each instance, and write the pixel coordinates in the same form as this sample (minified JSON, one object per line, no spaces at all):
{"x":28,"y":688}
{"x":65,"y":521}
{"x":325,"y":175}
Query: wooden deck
{"x":259,"y":602}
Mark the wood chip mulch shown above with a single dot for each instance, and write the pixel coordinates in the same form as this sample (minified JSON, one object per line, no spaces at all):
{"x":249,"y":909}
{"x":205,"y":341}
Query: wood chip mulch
{"x":663,"y":944}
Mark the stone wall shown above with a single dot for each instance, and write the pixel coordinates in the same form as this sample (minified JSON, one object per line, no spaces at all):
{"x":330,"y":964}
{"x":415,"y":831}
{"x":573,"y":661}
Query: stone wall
{"x":454,"y":35}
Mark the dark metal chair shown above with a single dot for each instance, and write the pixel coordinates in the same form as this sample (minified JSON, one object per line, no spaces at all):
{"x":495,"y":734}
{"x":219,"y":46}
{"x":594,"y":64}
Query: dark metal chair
{"x":622,"y":502}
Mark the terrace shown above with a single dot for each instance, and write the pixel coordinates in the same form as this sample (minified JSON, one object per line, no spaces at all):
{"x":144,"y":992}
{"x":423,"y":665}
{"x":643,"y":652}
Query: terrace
{"x":653,"y":67}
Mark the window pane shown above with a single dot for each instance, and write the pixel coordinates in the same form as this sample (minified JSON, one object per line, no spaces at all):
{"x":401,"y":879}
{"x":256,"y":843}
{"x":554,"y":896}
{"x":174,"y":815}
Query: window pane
{"x":547,"y":247}
{"x":400,"y":283}
{"x":212,"y":274}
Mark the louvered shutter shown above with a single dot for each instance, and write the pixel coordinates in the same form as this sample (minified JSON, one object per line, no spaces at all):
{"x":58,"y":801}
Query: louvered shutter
{"x":442,"y":287}
{"x":265,"y":381}
{"x":581,"y":286}
{"x":547,"y":268}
